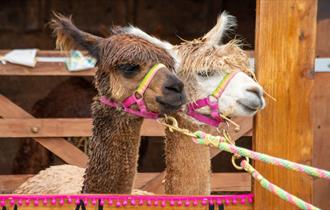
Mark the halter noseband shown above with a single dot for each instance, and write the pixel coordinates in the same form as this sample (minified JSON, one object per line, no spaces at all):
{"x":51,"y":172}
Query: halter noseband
{"x":136,"y":97}
{"x":214,"y":119}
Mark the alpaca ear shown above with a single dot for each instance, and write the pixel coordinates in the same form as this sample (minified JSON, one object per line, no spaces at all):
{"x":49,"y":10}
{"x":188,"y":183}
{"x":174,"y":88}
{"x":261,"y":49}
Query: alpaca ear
{"x":225,"y":24}
{"x":68,"y":36}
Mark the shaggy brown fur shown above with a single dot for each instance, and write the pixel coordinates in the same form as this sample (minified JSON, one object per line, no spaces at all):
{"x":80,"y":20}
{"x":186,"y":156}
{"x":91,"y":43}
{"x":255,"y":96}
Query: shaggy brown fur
{"x":115,"y":144}
{"x":115,"y":139}
{"x":188,"y":165}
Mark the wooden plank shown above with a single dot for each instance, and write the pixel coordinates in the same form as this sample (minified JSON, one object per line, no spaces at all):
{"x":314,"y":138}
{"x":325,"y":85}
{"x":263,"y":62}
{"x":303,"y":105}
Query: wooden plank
{"x":224,"y":182}
{"x":321,"y":146}
{"x":231,"y":182}
{"x":155,"y":185}
{"x":17,"y":128}
{"x":8,"y":183}
{"x":9,"y":110}
{"x":320,"y":104}
{"x":285,"y":53}
{"x":41,"y":68}
{"x":62,"y":127}
{"x":59,"y":146}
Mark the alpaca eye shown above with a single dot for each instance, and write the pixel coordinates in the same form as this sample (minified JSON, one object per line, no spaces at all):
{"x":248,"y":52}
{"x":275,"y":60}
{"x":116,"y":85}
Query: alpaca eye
{"x":128,"y":70}
{"x":205,"y":74}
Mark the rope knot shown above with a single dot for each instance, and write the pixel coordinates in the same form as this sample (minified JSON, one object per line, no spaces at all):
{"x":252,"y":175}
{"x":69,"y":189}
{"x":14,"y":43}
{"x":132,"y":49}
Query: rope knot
{"x":206,"y":139}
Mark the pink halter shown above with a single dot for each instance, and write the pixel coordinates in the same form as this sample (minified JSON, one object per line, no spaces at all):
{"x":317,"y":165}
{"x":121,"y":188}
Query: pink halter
{"x":214,"y":119}
{"x":133,"y":99}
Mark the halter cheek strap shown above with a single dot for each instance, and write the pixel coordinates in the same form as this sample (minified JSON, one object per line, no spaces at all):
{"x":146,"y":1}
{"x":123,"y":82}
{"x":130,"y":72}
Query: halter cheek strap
{"x":137,"y":97}
{"x":214,"y":119}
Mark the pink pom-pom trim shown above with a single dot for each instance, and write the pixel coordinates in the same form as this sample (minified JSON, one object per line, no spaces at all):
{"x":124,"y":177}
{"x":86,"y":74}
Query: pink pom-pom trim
{"x":126,"y":200}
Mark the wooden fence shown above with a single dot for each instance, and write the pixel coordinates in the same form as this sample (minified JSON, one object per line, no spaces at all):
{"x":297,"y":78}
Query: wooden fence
{"x":285,"y":53}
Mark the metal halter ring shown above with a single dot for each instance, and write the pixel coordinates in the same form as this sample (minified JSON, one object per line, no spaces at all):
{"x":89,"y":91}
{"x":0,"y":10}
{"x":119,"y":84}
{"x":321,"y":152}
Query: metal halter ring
{"x":234,"y":158}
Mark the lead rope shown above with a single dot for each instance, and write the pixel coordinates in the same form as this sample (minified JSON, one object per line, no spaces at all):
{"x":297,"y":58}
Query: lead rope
{"x":224,"y":143}
{"x":275,"y":189}
{"x":220,"y":142}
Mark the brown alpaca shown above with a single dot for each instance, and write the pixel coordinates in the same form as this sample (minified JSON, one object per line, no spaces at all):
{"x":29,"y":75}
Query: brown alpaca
{"x":122,"y":60}
{"x":203,"y":62}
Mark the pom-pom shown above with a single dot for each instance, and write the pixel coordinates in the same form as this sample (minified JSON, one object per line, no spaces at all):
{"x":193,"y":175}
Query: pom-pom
{"x":36,"y":202}
{"x":187,"y":203}
{"x":163,"y":203}
{"x":195,"y":203}
{"x":125,"y":203}
{"x":118,"y":204}
{"x":179,"y":203}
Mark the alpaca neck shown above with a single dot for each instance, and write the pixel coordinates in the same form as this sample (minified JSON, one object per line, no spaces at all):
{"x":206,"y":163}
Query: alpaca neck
{"x":188,"y":165}
{"x":114,"y":151}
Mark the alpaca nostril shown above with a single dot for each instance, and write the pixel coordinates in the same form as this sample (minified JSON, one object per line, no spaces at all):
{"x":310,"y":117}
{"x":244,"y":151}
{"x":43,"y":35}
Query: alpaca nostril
{"x":174,"y":85}
{"x":174,"y":88}
{"x":256,"y":90}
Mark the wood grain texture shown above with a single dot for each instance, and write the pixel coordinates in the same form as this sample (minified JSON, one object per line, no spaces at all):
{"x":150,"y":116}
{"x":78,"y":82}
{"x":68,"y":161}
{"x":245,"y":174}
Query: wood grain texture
{"x":8,"y":183}
{"x":321,"y":147}
{"x":62,"y":127}
{"x":220,"y":182}
{"x":285,"y":53}
{"x":320,"y":108}
{"x":59,"y":146}
{"x":17,"y":128}
{"x":225,"y":182}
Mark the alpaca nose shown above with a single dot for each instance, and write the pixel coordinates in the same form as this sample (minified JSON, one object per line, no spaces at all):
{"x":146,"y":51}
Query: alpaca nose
{"x":256,"y":90}
{"x":253,"y":100}
{"x":174,"y":85}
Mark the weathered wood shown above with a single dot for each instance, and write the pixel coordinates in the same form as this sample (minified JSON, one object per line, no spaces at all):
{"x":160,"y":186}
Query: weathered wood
{"x":155,"y":185}
{"x":45,"y":127}
{"x":321,"y":146}
{"x":62,"y":127}
{"x":320,"y":107}
{"x":285,"y":53}
{"x":59,"y":146}
{"x":225,"y":182}
{"x":8,"y":183}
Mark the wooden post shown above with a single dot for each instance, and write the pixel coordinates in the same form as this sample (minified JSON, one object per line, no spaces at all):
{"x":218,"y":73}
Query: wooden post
{"x":321,"y":101}
{"x":285,"y":53}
